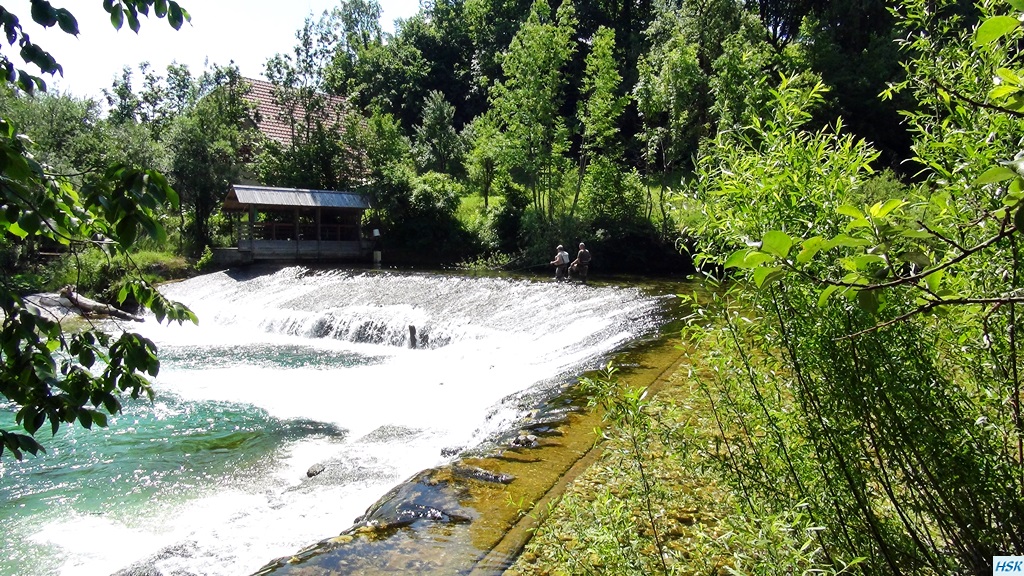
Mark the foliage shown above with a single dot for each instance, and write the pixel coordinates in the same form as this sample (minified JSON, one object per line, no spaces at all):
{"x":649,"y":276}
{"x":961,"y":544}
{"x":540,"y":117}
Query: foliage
{"x":527,"y":105}
{"x":319,"y":156}
{"x":436,"y":145}
{"x":208,"y":143}
{"x":877,"y":384}
{"x":50,"y":375}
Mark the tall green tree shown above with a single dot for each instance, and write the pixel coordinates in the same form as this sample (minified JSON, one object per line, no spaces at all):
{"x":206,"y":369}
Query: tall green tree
{"x":437,"y":145}
{"x":209,"y":145}
{"x":528,"y":104}
{"x":316,"y":157}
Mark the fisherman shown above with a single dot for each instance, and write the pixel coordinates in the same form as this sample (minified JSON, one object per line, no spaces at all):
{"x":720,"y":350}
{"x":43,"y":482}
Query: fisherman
{"x":581,"y":264}
{"x":561,"y":263}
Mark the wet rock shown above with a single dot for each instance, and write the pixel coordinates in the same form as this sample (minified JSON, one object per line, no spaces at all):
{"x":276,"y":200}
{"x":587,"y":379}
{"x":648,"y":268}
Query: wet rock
{"x":416,"y":500}
{"x":451,"y":451}
{"x":315,"y":470}
{"x":149,"y":566}
{"x":409,"y":513}
{"x":525,"y":441}
{"x":483,"y":475}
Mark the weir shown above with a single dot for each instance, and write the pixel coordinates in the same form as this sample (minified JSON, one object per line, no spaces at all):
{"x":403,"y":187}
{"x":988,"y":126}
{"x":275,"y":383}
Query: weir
{"x":300,"y":400}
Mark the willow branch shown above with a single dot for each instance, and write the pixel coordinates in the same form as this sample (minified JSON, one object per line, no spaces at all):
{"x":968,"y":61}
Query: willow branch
{"x":932,"y":305}
{"x":1005,"y":232}
{"x":976,"y":103}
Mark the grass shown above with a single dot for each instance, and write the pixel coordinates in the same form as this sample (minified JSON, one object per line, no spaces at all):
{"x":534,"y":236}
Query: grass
{"x":602,"y":524}
{"x":472,"y":207}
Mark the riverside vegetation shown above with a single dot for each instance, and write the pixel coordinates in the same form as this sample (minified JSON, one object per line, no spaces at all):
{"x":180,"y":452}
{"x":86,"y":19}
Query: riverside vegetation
{"x":853,"y":401}
{"x":853,"y":398}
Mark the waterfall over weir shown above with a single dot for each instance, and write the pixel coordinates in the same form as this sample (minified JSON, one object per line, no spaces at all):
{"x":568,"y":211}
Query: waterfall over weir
{"x":290,"y":369}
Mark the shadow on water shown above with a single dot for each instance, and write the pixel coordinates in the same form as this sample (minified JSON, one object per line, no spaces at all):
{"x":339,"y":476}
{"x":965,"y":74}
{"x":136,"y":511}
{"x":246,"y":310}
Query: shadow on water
{"x":474,"y":515}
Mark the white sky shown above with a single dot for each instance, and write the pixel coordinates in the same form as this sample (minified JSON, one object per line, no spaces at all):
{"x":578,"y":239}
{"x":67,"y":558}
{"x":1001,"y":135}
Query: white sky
{"x":246,"y":31}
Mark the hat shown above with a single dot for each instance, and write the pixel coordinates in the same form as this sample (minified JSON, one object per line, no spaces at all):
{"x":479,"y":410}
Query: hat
{"x":559,"y":247}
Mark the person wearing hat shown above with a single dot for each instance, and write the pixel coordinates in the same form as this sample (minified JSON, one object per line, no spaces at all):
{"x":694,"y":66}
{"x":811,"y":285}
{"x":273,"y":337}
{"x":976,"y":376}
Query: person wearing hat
{"x":581,"y":264}
{"x":561,"y":262}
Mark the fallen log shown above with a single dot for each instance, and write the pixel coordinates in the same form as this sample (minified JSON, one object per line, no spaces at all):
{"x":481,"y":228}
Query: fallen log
{"x":89,"y":306}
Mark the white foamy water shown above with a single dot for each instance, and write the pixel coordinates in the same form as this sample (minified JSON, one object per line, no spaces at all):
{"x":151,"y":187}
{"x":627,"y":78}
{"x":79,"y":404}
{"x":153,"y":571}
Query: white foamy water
{"x":294,"y":368}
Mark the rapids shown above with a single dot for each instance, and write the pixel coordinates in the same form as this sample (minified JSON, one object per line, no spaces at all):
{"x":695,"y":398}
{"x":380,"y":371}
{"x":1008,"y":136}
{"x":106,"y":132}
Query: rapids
{"x":287,"y":369}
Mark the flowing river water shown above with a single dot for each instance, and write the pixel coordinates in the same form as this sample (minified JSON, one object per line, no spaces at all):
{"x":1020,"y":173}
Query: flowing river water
{"x":290,"y":369}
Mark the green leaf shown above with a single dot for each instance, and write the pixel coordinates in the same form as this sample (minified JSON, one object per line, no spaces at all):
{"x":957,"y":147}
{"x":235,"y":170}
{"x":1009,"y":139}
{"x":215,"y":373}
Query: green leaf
{"x":809,"y":248}
{"x":175,"y":16}
{"x":865,"y":260}
{"x":755,"y":259}
{"x":882,"y":210}
{"x":117,"y":18}
{"x":823,"y":297}
{"x":915,"y":234}
{"x":133,"y":21}
{"x":933,"y":280}
{"x":994,"y":174}
{"x":1003,"y":91}
{"x":851,"y":211}
{"x":868,"y":301}
{"x":43,"y":13}
{"x":67,"y":21}
{"x":995,"y":28}
{"x":765,"y":275}
{"x":17,"y":231}
{"x":776,"y":243}
{"x":847,"y":242}
{"x":1008,"y":76}
{"x":735,"y":260}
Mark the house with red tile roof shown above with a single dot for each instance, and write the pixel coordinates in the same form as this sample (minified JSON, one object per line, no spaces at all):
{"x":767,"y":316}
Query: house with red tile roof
{"x":273,"y":118}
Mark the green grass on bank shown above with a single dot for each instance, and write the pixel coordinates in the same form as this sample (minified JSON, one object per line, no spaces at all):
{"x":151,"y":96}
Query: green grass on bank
{"x":95,"y":273}
{"x":657,"y":502}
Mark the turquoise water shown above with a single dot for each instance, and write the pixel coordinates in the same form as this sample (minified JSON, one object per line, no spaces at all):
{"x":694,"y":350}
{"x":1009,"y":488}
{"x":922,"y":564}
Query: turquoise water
{"x":163,"y":454}
{"x":290,"y":369}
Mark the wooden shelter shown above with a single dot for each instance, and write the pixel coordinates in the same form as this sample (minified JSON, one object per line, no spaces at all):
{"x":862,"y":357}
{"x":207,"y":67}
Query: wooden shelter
{"x":285,"y":224}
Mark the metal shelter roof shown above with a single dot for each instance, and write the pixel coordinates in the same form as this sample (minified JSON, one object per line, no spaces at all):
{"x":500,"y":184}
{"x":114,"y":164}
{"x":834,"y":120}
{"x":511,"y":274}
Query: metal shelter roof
{"x":241,"y":197}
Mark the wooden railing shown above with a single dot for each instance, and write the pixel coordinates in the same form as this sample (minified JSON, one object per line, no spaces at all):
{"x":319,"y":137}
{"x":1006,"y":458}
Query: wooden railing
{"x":307,"y":232}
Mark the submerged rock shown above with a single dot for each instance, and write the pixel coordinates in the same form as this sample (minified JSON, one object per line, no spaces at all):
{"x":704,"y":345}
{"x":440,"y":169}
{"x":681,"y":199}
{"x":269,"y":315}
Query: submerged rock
{"x":419,"y":499}
{"x":314,"y":470}
{"x":482,"y":475}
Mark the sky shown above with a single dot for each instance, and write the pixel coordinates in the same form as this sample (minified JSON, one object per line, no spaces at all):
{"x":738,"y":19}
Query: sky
{"x":246,"y":31}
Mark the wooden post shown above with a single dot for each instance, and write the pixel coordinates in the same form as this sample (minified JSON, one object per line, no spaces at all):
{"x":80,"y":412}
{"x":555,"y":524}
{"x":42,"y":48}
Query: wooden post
{"x":412,"y":336}
{"x":252,"y":226}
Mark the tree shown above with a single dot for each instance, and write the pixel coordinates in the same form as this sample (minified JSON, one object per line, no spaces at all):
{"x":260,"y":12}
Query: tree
{"x":484,"y":150}
{"x":52,"y":376}
{"x":209,"y":144}
{"x":528,"y":103}
{"x":317,"y":157}
{"x":883,"y":371}
{"x":437,"y":146}
{"x":599,"y":115}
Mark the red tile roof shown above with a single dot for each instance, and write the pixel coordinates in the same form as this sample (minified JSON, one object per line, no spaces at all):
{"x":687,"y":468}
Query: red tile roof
{"x":269,"y":113}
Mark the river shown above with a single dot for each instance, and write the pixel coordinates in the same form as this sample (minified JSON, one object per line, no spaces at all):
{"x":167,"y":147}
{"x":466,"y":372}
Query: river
{"x":290,"y":368}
